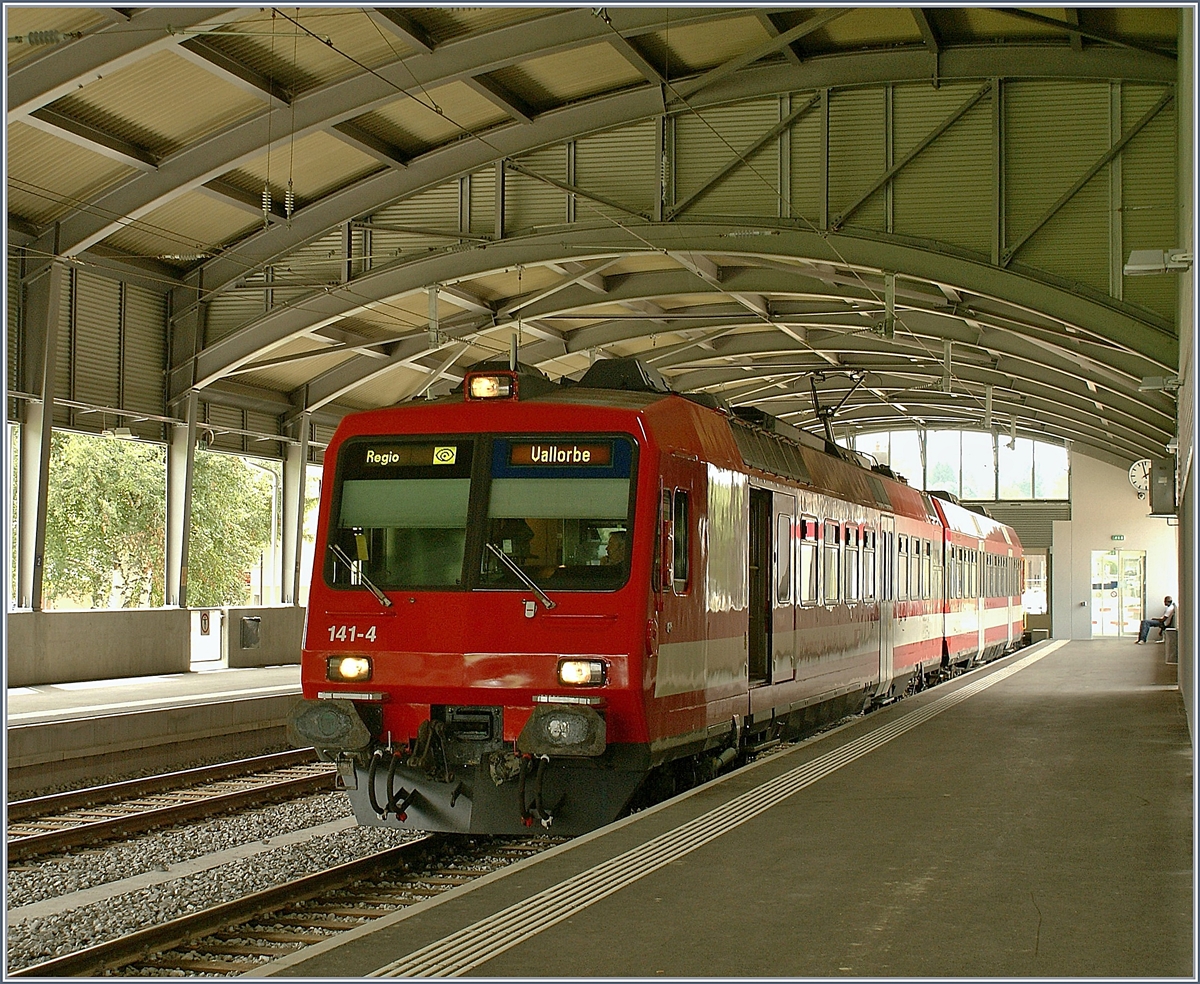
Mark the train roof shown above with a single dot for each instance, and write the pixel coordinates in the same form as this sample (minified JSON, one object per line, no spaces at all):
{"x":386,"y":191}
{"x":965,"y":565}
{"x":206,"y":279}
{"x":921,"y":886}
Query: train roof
{"x":746,"y":435}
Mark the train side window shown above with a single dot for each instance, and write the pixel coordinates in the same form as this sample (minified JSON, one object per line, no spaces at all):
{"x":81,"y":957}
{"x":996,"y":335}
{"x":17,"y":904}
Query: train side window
{"x":914,"y":568}
{"x":851,"y":563}
{"x":783,"y":559}
{"x":662,"y":540}
{"x":901,"y":568}
{"x":868,"y":565}
{"x":926,"y":568}
{"x":808,"y":560}
{"x":833,"y":561}
{"x":936,"y":589}
{"x":681,"y":552}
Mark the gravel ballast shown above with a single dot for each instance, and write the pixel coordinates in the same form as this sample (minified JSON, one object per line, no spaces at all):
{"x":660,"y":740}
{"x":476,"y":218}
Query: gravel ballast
{"x":37,"y":940}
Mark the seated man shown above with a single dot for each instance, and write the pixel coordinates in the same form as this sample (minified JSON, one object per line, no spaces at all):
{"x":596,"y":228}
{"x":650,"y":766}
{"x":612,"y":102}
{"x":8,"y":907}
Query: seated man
{"x":1165,"y":622}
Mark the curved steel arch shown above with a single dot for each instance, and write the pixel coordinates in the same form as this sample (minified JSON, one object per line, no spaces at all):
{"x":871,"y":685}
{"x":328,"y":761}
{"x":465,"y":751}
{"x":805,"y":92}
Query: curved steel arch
{"x":1107,"y":322}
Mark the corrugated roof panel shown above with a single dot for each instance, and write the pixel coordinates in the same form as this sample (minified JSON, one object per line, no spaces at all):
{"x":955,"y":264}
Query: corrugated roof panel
{"x":706,"y":142}
{"x":316,"y":164}
{"x":230,"y":310}
{"x":1148,"y":194}
{"x":96,"y":366}
{"x":451,"y":23}
{"x":865,"y":26}
{"x":398,"y":384}
{"x":857,"y":155}
{"x":161,"y":103}
{"x":47,"y":177}
{"x":435,"y":209}
{"x":806,"y":162}
{"x":1055,"y":132}
{"x":186,"y":226}
{"x":65,"y":354}
{"x":19,"y":21}
{"x":690,"y":48}
{"x":413,"y":125}
{"x":509,"y":283}
{"x":482,"y":201}
{"x":313,"y":265}
{"x":12,"y":328}
{"x":945,"y":193}
{"x":288,"y":376}
{"x":966,"y":25}
{"x":529,"y":203}
{"x":1157,"y":25}
{"x":144,"y":357}
{"x":621,"y":165}
{"x":278,"y":49}
{"x":569,"y":75}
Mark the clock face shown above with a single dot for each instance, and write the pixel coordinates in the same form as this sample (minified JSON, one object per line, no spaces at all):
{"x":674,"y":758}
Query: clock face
{"x":1139,"y":475}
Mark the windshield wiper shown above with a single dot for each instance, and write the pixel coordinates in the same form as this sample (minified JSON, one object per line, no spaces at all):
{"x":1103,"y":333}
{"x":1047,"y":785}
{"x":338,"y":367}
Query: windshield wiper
{"x":341,"y":555}
{"x":521,"y":575}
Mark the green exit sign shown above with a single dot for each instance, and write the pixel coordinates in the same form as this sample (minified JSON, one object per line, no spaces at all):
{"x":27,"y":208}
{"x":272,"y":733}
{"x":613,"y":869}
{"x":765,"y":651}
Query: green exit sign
{"x":1118,"y":536}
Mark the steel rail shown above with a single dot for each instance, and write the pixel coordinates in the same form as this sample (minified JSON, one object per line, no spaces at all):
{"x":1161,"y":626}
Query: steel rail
{"x":39,"y":806}
{"x":33,"y":845}
{"x":156,"y":939}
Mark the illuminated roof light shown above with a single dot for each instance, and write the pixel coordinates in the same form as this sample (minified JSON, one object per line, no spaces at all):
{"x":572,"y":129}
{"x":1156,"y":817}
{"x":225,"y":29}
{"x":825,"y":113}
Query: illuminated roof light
{"x":491,"y":387}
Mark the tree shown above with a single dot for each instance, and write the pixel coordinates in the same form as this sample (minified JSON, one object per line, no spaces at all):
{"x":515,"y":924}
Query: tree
{"x":106,"y":522}
{"x":231,"y":524}
{"x":105,"y":514}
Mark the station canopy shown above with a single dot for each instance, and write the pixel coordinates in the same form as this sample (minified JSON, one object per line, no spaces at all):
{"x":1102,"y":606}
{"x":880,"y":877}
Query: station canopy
{"x":276,"y":216}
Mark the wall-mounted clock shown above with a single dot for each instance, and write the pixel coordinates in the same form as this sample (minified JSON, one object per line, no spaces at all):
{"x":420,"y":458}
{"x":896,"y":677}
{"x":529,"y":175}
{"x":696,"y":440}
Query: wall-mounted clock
{"x":1139,"y":477}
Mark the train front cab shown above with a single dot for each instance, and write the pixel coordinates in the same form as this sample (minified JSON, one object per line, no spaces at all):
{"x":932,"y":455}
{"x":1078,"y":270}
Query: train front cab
{"x":502,"y":687}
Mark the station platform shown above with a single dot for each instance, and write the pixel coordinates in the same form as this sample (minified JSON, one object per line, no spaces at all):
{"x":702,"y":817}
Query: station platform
{"x":1031,"y":818}
{"x":69,"y":731}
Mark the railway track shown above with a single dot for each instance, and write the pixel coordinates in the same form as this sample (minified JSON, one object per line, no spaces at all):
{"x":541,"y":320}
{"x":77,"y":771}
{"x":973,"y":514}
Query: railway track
{"x":60,"y":822}
{"x":235,"y":937}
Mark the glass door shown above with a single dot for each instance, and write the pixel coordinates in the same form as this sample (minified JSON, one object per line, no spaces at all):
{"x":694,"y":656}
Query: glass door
{"x":1118,"y":592}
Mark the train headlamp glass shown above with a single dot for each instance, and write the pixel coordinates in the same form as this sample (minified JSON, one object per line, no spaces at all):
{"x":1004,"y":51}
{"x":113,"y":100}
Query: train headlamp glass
{"x":490,"y":387}
{"x":581,"y":672}
{"x":352,"y":669}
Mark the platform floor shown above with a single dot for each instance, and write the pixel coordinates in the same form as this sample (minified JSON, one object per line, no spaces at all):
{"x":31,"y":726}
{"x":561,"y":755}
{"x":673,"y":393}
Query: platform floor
{"x":100,"y":698}
{"x":1031,"y":818}
{"x":83,"y":732}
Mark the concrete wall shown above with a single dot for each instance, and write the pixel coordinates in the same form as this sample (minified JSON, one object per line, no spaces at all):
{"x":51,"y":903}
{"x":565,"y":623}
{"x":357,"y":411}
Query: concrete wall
{"x":68,"y":647}
{"x":272,"y":636}
{"x":1103,"y":505}
{"x":65,"y":647}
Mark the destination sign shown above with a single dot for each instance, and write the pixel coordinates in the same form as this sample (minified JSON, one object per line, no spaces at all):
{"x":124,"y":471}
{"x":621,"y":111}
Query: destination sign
{"x":572,"y":455}
{"x":410,"y":454}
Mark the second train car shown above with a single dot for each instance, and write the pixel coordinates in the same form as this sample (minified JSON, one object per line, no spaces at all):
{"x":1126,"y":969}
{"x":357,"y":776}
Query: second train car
{"x":536,"y":603}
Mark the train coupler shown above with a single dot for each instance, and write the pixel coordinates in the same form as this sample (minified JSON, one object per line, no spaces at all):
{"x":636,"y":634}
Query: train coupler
{"x":536,"y":809}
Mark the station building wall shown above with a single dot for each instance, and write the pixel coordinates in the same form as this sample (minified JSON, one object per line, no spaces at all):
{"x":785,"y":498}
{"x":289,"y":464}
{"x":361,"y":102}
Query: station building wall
{"x":1104,"y":505}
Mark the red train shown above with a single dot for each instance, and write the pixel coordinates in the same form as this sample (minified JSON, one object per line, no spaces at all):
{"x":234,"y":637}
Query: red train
{"x":537,"y":602}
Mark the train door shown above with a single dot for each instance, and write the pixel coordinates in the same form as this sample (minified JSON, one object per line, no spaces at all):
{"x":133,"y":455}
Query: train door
{"x":887,"y":602}
{"x":981,"y":595}
{"x":760,"y":587}
{"x":678,"y":620}
{"x":783,"y":615}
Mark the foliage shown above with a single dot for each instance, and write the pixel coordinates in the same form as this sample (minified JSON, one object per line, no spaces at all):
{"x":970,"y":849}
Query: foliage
{"x":106,"y":522}
{"x":231,"y":524}
{"x":105,"y":514}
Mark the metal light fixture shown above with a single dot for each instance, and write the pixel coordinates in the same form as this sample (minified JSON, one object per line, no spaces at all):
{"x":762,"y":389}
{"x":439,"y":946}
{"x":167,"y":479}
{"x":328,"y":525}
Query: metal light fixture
{"x":1144,"y":262}
{"x":1155,"y":384}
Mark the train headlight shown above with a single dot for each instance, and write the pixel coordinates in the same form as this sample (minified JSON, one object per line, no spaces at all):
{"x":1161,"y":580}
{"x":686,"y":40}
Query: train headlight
{"x":581,"y":672}
{"x":350,"y":669}
{"x":490,"y":387}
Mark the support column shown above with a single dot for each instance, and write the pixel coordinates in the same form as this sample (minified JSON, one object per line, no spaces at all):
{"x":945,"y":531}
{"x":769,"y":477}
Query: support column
{"x":295,"y":474}
{"x":181,"y":458}
{"x":43,"y":301}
